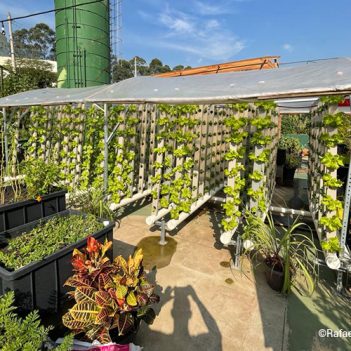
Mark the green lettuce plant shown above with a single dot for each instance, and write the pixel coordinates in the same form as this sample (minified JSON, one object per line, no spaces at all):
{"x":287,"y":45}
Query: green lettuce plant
{"x":256,"y":176}
{"x":334,"y":120}
{"x":331,"y":245}
{"x":331,"y":182}
{"x":332,"y":223}
{"x":332,"y":140}
{"x":331,"y":204}
{"x":331,"y":161}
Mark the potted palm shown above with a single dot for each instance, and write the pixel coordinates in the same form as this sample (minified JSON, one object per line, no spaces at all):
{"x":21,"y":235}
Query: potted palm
{"x":287,"y":254}
{"x":111,"y":297}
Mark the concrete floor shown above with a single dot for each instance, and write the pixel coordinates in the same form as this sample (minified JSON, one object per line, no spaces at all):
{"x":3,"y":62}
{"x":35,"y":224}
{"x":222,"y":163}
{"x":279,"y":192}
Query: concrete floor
{"x":204,"y":304}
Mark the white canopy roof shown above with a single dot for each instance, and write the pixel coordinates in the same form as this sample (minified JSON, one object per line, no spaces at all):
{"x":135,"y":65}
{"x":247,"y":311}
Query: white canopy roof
{"x":313,"y":78}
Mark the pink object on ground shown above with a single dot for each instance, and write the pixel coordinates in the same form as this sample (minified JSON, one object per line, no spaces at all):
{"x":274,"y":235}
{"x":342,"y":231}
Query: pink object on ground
{"x":112,"y":347}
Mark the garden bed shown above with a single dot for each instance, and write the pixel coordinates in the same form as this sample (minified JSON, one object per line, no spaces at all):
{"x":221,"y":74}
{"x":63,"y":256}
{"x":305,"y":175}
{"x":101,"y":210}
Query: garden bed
{"x":39,"y":284}
{"x":18,"y":213}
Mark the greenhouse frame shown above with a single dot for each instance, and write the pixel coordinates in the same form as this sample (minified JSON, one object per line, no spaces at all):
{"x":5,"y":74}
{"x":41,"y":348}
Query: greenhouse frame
{"x":183,"y":139}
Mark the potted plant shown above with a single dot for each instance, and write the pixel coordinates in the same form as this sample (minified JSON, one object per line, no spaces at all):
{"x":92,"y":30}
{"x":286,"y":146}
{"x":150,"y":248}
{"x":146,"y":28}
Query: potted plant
{"x":35,"y":258}
{"x":293,"y":157}
{"x":32,"y":197}
{"x":111,"y":297}
{"x":287,"y":254}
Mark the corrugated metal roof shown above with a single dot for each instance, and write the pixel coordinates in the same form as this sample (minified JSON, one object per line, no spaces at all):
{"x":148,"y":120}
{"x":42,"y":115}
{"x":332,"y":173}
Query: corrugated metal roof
{"x":257,"y":63}
{"x":314,"y":78}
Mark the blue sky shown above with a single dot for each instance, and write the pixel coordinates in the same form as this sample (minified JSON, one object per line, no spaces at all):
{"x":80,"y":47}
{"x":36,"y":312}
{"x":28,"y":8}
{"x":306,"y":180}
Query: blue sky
{"x":199,"y":32}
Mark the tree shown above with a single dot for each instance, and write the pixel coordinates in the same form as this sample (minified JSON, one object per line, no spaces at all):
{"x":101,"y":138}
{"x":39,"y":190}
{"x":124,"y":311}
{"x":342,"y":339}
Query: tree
{"x":142,"y":66}
{"x":125,"y":69}
{"x":37,"y":42}
{"x":178,"y":68}
{"x":156,"y":66}
{"x":30,"y":74}
{"x":121,"y":70}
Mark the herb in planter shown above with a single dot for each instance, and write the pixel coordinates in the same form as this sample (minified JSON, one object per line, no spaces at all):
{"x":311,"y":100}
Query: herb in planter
{"x":46,"y":239}
{"x":40,"y":177}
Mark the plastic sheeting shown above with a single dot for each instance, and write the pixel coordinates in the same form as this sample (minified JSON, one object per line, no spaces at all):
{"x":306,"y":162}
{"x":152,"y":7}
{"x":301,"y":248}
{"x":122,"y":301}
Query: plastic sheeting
{"x":299,"y":106}
{"x":313,"y":78}
{"x":49,"y":96}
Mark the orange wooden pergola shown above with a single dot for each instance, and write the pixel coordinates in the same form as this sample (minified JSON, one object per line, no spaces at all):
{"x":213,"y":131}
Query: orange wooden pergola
{"x":258,"y":63}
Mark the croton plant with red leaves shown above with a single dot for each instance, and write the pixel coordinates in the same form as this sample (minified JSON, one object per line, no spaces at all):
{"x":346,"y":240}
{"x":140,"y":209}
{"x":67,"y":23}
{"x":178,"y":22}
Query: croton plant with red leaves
{"x":109,"y":295}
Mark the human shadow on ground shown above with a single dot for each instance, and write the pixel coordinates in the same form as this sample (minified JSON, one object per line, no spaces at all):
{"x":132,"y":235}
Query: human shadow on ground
{"x":181,"y":312}
{"x":182,"y":300}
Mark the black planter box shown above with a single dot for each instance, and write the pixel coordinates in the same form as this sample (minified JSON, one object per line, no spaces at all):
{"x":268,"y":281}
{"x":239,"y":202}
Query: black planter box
{"x":39,"y":285}
{"x":22,"y":212}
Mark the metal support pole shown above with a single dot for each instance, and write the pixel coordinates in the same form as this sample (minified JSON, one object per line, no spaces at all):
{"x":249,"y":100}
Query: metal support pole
{"x":105,"y":147}
{"x":237,"y":252}
{"x":162,"y":225}
{"x":6,"y":147}
{"x":345,"y":223}
{"x":12,"y":46}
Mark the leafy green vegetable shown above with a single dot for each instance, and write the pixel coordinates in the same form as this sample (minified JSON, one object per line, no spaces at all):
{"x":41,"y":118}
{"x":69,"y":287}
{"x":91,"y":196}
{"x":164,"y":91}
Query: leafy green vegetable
{"x":331,"y":161}
{"x":47,"y":238}
{"x":332,"y":224}
{"x":331,"y":245}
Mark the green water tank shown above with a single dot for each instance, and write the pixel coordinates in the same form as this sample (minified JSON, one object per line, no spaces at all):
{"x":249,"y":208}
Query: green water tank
{"x":82,"y":43}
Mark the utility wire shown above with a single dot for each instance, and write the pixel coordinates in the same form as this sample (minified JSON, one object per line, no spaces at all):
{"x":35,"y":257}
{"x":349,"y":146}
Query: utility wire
{"x":49,"y":11}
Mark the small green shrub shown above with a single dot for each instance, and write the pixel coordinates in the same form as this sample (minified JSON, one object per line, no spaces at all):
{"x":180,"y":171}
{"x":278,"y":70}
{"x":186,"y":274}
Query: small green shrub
{"x":40,"y":177}
{"x":47,"y":238}
{"x":17,"y":334}
{"x":291,"y":144}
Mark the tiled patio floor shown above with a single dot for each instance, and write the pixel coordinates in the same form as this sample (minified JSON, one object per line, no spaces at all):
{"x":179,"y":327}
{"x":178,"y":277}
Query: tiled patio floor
{"x":204,"y":304}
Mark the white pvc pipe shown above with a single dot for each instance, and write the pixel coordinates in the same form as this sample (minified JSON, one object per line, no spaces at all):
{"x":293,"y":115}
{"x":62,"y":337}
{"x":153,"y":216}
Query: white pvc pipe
{"x":331,"y":260}
{"x":290,"y":211}
{"x":173,"y":223}
{"x":154,"y":218}
{"x":114,"y":206}
{"x":226,"y":237}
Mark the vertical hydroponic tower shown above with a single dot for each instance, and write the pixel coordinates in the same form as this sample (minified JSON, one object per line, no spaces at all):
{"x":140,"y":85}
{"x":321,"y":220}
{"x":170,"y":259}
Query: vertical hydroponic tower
{"x":82,"y":43}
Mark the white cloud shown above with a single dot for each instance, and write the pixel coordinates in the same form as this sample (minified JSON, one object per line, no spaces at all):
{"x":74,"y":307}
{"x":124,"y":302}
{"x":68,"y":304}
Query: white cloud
{"x":208,"y":8}
{"x":212,"y":24}
{"x":202,"y":37}
{"x":179,"y":23}
{"x":288,"y":47}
